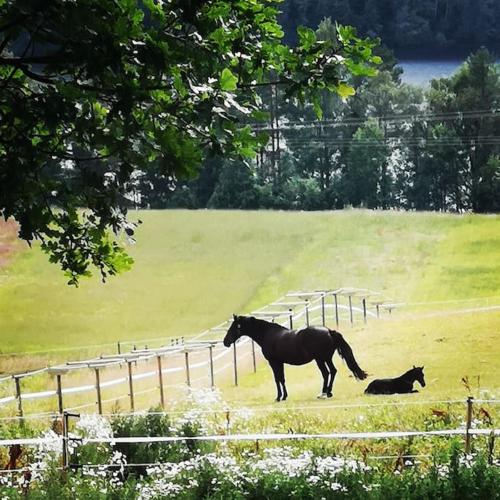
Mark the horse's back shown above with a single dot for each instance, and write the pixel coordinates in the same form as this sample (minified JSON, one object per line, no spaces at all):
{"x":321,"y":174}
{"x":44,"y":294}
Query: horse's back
{"x":381,"y":386}
{"x":388,"y":386}
{"x":317,"y":341}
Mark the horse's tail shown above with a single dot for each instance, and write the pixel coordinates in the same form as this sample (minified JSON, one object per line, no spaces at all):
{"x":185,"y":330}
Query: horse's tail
{"x":346,"y":352}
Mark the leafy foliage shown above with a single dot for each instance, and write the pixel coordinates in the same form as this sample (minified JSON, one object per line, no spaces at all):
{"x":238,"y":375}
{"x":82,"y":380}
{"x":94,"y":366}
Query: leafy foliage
{"x":95,"y":93}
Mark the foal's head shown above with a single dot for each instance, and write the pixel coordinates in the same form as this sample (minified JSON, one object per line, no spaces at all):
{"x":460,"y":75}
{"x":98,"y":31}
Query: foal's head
{"x":417,"y":373}
{"x":235,"y":330}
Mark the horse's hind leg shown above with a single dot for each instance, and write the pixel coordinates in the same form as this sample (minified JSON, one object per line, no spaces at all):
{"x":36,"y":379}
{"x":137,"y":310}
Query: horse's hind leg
{"x":276,"y":370}
{"x":333,"y":372}
{"x":281,"y":374}
{"x":324,"y":371}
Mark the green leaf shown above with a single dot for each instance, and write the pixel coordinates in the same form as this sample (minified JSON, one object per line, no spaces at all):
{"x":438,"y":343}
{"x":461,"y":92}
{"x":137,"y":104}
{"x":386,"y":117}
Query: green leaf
{"x":228,"y":81}
{"x":344,"y":90}
{"x":307,"y":37}
{"x":317,"y":107}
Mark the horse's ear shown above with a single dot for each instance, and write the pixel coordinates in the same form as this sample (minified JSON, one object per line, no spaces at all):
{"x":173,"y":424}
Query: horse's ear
{"x":414,"y":366}
{"x":422,"y":368}
{"x":234,"y":317}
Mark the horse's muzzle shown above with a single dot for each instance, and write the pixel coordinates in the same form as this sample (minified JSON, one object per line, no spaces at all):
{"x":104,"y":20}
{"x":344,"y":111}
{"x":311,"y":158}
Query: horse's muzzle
{"x":226,"y":343}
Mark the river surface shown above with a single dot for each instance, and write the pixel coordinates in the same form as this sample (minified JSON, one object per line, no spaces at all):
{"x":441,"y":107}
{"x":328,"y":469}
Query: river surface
{"x":421,"y":72}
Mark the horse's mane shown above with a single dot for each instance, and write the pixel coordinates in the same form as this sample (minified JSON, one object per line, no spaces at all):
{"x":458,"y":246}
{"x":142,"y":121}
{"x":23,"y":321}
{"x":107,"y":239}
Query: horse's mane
{"x":409,"y":372}
{"x":268,"y":324}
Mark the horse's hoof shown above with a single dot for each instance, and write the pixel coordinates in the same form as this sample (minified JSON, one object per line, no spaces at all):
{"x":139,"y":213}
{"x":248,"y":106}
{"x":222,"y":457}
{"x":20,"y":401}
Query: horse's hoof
{"x":323,"y":395}
{"x":329,"y":395}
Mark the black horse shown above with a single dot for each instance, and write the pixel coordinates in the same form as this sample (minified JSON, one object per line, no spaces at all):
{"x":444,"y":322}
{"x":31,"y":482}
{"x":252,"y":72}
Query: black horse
{"x":399,"y":385}
{"x":281,"y":345}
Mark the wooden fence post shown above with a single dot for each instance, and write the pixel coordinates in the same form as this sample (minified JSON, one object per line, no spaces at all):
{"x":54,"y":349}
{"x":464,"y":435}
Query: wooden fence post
{"x":323,"y":318}
{"x":253,"y":357}
{"x":131,"y":385}
{"x":235,"y":365}
{"x":491,"y":447}
{"x":65,"y":435}
{"x":468,"y":424}
{"x":336,"y":309}
{"x":364,"y":309}
{"x":98,"y":390}
{"x":350,"y":310}
{"x":211,"y":358}
{"x":17,"y":382}
{"x":118,"y":345}
{"x":160,"y":380}
{"x":59,"y":394}
{"x":378,"y":311}
{"x":307,"y":312}
{"x":188,"y":375}
{"x":290,"y":318}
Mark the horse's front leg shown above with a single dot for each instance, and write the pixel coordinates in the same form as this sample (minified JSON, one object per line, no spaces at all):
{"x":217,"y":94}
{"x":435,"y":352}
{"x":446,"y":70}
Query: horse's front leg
{"x":276,"y":370}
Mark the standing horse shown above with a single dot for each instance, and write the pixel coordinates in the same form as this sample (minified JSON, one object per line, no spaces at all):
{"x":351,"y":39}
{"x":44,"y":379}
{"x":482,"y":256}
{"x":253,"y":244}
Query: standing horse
{"x":281,"y":345}
{"x":399,"y":385}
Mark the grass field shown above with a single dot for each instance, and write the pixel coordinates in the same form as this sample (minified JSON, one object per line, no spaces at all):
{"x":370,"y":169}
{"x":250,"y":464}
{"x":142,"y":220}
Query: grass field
{"x":194,"y":269}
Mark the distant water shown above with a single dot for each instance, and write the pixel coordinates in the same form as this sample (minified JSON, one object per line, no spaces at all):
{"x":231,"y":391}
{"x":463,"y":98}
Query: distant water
{"x":422,"y":72}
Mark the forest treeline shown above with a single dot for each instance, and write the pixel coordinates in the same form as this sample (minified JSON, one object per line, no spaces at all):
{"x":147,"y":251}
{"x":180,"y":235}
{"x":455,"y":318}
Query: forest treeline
{"x":392,"y":145}
{"x":435,"y":25}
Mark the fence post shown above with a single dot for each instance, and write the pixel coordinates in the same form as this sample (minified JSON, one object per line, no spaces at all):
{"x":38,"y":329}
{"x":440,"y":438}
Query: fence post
{"x":290,"y":318}
{"x":468,"y":424}
{"x":188,"y":376}
{"x":323,"y":319}
{"x":378,"y":311}
{"x":131,"y":385}
{"x":350,"y":310}
{"x":253,"y":357}
{"x":211,"y":356}
{"x":118,"y":345}
{"x":18,"y":396}
{"x":307,"y":312}
{"x":65,"y":438}
{"x":364,"y":309}
{"x":235,"y":365}
{"x":65,"y":434}
{"x":491,"y":447}
{"x":59,"y":394}
{"x":336,"y":310}
{"x":98,"y":390}
{"x":160,"y":379}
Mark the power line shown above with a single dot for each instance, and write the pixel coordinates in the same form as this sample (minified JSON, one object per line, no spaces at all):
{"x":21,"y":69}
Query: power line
{"x":388,"y":119}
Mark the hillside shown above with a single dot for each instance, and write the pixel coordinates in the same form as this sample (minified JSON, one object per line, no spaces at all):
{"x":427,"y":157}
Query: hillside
{"x":194,"y":269}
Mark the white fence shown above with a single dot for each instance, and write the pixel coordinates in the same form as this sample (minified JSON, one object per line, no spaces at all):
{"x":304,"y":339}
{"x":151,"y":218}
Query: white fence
{"x":198,"y":360}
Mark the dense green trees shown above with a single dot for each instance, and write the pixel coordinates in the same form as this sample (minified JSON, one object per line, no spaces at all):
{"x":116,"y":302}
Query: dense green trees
{"x":390,"y":146}
{"x":452,"y":25}
{"x":100,"y":98}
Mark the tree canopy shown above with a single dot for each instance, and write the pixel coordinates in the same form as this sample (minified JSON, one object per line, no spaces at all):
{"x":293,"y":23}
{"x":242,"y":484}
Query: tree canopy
{"x":97,"y":92}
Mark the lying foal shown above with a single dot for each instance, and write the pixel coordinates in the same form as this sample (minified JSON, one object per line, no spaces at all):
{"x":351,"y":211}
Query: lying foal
{"x":399,"y":385}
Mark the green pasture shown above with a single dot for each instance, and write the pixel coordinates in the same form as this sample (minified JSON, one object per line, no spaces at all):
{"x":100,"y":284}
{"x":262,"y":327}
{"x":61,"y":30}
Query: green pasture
{"x":194,"y":269}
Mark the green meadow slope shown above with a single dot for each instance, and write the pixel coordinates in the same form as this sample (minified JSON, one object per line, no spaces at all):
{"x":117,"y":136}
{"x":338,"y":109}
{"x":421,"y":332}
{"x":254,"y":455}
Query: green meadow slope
{"x":195,"y":268}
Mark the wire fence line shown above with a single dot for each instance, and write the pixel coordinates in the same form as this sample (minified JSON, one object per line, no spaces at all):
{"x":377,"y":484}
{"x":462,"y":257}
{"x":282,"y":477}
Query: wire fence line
{"x":294,"y":310}
{"x":255,"y":409}
{"x":59,"y":440}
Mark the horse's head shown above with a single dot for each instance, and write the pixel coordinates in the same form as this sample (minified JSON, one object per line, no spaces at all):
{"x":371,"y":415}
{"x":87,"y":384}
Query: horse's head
{"x":235,"y":330}
{"x":418,"y":372}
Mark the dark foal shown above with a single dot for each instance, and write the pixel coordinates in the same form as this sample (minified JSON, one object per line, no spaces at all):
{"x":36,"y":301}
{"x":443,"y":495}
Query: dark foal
{"x":281,"y":345}
{"x":399,"y":385}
